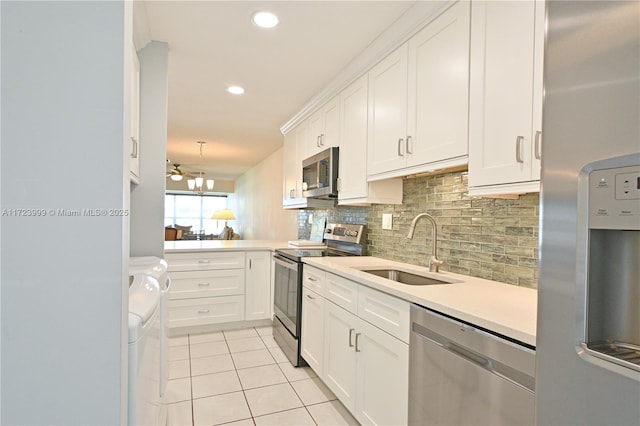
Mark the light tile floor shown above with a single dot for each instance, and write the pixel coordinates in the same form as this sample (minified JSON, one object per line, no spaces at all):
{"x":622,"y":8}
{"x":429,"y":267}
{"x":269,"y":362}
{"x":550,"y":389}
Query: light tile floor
{"x":242,"y":377}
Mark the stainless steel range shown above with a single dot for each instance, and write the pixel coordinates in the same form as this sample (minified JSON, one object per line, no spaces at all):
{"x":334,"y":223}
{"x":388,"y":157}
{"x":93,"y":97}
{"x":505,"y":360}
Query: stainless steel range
{"x":341,"y":240}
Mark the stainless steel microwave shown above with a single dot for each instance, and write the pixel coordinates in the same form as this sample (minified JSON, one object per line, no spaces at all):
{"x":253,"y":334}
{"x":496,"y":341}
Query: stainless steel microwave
{"x":320,"y":175}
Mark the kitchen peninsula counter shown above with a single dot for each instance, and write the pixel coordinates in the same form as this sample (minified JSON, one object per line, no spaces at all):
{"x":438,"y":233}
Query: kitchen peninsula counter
{"x":188,"y":246}
{"x":505,"y":309}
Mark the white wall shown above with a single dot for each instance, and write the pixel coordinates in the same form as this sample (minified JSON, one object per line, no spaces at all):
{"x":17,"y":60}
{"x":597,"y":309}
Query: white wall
{"x":64,"y":278}
{"x":257,"y":203}
{"x":147,"y":197}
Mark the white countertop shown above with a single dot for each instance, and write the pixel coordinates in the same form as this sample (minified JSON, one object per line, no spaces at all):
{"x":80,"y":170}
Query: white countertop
{"x":185,"y":246}
{"x":503,"y":308}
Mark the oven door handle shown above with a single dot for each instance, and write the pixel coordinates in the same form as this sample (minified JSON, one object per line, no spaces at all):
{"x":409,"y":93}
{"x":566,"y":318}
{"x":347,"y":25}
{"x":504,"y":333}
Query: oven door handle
{"x":283,"y":261}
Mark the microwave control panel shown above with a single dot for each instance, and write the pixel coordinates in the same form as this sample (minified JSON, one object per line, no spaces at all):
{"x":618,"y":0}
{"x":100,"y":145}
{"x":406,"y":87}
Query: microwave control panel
{"x":614,"y":198}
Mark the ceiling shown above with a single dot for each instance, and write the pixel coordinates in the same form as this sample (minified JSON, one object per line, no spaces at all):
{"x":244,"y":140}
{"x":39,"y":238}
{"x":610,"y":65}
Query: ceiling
{"x":213,"y":44}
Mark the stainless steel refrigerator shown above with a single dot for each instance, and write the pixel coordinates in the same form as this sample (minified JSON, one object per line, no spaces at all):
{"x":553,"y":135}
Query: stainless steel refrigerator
{"x":588,"y":344}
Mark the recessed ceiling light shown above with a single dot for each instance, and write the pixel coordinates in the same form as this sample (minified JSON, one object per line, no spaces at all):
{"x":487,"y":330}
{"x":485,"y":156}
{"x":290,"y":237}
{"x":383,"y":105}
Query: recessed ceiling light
{"x":236,"y":90}
{"x":265,"y":19}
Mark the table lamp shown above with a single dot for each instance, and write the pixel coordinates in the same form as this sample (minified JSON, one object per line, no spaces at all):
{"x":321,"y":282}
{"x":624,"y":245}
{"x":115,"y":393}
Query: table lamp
{"x":225,"y":214}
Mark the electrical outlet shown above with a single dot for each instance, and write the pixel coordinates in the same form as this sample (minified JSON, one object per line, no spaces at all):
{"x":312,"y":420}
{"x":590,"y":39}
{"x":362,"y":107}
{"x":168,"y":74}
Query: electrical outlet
{"x":310,"y":220}
{"x":387,"y":221}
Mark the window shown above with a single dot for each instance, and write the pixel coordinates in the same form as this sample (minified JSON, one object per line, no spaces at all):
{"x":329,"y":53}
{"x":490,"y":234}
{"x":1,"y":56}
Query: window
{"x":194,"y":211}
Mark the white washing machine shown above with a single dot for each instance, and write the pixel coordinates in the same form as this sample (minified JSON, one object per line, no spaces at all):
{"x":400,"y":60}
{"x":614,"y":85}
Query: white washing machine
{"x":157,"y":268}
{"x":144,"y":350}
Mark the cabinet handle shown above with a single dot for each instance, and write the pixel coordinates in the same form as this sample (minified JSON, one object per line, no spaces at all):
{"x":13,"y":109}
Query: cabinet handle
{"x":206,"y":311}
{"x":519,"y":141}
{"x":339,"y":184}
{"x":322,"y":139}
{"x":292,"y":193}
{"x":249,"y":263}
{"x":310,"y":297}
{"x":357,"y":340}
{"x":204,"y":261}
{"x":409,"y":145}
{"x":134,"y":147}
{"x":537,"y":145}
{"x":400,"y":144}
{"x":311,"y":279}
{"x":318,"y":141}
{"x":351,"y":330}
{"x":204,"y":284}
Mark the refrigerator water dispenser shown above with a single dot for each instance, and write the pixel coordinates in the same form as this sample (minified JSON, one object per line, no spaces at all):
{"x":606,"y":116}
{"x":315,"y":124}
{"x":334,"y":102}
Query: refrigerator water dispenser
{"x":613,"y":266}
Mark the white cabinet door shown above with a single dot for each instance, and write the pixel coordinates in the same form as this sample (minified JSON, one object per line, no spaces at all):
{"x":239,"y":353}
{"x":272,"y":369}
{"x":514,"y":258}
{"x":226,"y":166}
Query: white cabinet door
{"x":388,"y":113}
{"x":324,"y":129}
{"x":291,"y":168}
{"x":501,"y":110}
{"x":312,"y":333}
{"x":331,"y":116}
{"x":353,"y":141}
{"x":258,"y":297}
{"x":383,"y":377}
{"x":339,"y":354}
{"x":538,"y":60}
{"x":439,"y":89}
{"x":134,"y":158}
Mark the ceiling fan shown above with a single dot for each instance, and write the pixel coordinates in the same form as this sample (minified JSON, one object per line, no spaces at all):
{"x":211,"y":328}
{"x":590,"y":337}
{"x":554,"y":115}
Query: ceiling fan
{"x":176,"y":174}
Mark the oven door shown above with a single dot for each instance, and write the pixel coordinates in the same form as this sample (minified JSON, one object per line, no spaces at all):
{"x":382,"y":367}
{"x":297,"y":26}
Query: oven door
{"x":288,"y":279}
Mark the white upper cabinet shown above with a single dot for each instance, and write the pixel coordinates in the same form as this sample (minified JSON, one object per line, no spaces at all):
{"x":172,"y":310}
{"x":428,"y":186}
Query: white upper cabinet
{"x":324,"y":129}
{"x":439,"y":89}
{"x":388,"y":113}
{"x":353,"y":187}
{"x":292,"y":170}
{"x":505,"y":111}
{"x":134,"y":139}
{"x":418,"y":100}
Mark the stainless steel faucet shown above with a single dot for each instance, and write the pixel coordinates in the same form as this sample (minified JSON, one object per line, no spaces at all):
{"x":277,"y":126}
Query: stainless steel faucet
{"x":434,"y":262}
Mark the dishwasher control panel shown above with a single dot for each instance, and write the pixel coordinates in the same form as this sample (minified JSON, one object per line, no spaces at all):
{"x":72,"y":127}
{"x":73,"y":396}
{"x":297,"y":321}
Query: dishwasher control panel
{"x":614,"y":198}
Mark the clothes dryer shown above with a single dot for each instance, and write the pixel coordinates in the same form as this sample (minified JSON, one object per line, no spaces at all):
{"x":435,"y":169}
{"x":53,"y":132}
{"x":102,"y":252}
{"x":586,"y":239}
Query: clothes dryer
{"x":157,"y":268}
{"x":144,"y":351}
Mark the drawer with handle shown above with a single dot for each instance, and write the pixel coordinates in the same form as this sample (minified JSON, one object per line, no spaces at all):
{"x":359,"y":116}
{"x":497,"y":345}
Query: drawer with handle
{"x":205,"y":261}
{"x":210,"y":283}
{"x":206,"y":310}
{"x":313,"y":279}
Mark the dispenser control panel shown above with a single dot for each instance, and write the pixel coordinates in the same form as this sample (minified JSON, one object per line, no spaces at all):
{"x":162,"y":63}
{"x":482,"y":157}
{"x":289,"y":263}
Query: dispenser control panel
{"x":614,"y":198}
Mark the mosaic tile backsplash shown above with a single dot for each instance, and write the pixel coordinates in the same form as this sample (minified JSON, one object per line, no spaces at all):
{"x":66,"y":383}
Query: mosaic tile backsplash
{"x":492,"y":238}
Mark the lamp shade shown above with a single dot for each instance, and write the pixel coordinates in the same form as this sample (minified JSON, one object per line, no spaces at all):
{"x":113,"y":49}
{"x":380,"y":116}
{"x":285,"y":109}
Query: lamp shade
{"x":225,"y":214}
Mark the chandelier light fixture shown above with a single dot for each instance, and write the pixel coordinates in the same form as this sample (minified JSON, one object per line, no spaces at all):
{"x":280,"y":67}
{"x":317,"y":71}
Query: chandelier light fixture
{"x":197,"y":184}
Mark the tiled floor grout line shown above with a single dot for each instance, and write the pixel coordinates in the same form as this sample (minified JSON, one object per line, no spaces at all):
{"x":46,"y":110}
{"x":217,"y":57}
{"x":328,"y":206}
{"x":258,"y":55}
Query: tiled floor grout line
{"x":263,"y":339}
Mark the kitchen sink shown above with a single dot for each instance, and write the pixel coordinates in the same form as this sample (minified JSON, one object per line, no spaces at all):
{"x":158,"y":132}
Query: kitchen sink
{"x":404,"y":277}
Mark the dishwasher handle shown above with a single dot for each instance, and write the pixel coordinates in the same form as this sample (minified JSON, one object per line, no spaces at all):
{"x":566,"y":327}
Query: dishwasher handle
{"x":498,"y":368}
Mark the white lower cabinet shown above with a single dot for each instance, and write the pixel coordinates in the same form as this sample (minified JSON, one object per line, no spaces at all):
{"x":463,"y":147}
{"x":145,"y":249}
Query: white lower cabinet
{"x":340,"y":373}
{"x":210,"y":288}
{"x":312,"y":333}
{"x":366,"y":367}
{"x":205,"y":310}
{"x":258,"y":296}
{"x":382,"y":364}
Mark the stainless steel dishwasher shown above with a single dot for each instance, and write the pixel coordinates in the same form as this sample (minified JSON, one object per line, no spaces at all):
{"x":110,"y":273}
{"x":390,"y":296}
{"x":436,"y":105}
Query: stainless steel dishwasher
{"x":462,"y":375}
